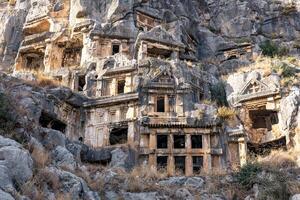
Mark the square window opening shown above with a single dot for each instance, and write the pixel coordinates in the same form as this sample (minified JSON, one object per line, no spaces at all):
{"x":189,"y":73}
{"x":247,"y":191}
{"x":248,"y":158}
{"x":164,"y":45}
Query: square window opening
{"x":196,"y":141}
{"x":81,"y":83}
{"x":162,"y":141}
{"x":121,"y":86}
{"x":197,"y":163}
{"x":162,"y":162}
{"x":180,"y":164}
{"x":179,"y":141}
{"x":115,"y":49}
{"x":118,"y":136}
{"x":160,"y":104}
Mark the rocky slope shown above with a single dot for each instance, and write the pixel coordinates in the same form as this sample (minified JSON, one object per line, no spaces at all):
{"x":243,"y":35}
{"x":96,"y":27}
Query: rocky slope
{"x":41,"y":163}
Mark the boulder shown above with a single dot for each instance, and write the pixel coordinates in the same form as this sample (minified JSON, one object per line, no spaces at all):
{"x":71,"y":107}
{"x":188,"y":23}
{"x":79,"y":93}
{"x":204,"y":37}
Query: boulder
{"x":73,"y":185}
{"x":295,"y":197}
{"x":88,"y":154}
{"x":183,"y":194}
{"x":75,"y":148}
{"x":52,"y":138}
{"x":63,"y":158}
{"x":8,"y":142}
{"x":111,"y":195}
{"x":173,"y":181}
{"x":5,"y":196}
{"x":123,"y":157}
{"x":18,"y":161}
{"x":194,"y":182}
{"x":6,"y":183}
{"x":140,"y":196}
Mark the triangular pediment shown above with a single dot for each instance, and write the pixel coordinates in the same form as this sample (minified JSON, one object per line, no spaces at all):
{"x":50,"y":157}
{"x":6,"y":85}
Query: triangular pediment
{"x":164,"y":76}
{"x":253,"y":86}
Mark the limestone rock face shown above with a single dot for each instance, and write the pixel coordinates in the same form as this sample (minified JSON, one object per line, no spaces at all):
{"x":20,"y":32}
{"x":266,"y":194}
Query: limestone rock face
{"x":64,"y":158}
{"x":122,"y":158}
{"x":12,"y":19}
{"x":105,"y":81}
{"x":18,"y":161}
{"x":295,"y":197}
{"x":6,"y":183}
{"x":290,"y":111}
{"x":5,"y":196}
{"x":74,"y":185}
{"x":141,"y":196}
{"x":184,"y":194}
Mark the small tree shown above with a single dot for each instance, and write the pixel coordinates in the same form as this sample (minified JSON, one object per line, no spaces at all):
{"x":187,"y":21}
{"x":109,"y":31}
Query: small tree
{"x":6,"y":120}
{"x":218,"y":93}
{"x":271,"y":49}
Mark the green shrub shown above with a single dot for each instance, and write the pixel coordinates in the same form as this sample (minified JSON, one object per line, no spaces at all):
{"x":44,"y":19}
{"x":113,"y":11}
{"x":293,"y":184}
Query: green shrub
{"x":271,"y":49}
{"x":247,"y":176}
{"x":284,"y":70}
{"x":6,"y":120}
{"x":272,"y":182}
{"x":218,"y":94}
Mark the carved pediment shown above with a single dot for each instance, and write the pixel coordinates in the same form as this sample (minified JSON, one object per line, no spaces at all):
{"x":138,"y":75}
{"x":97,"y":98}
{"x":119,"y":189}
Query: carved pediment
{"x":253,"y":86}
{"x":164,"y":76}
{"x":164,"y":79}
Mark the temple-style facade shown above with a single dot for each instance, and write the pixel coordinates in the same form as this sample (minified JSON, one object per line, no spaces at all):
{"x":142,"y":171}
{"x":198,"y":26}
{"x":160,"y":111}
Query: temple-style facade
{"x":258,"y":100}
{"x":143,"y":87}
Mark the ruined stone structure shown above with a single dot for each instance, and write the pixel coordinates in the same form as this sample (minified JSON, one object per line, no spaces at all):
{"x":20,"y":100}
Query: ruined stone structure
{"x":258,"y":101}
{"x":143,"y":84}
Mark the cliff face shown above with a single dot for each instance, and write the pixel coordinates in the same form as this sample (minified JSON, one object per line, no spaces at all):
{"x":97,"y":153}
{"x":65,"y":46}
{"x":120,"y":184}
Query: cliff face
{"x":214,"y":26}
{"x":81,"y":74}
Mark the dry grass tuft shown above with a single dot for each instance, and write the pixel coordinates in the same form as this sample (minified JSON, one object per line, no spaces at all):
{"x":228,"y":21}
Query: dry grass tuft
{"x":226,"y":113}
{"x":279,"y":159}
{"x":41,"y":157}
{"x":144,"y":178}
{"x":44,"y":81}
{"x":63,"y":196}
{"x":97,"y":183}
{"x":148,"y":173}
{"x":51,"y":179}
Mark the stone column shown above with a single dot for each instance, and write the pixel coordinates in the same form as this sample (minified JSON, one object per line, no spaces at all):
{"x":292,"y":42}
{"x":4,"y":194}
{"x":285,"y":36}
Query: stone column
{"x":171,"y":165}
{"x":128,"y":84}
{"x":242,"y":151}
{"x":106,"y":132}
{"x":152,"y":104}
{"x":131,"y":132}
{"x":188,"y":165}
{"x":207,"y":156}
{"x":152,"y":141}
{"x":142,"y":53}
{"x":167,"y":107}
{"x":118,"y":114}
{"x":188,"y":143}
{"x":179,"y":105}
{"x":152,"y":160}
{"x":130,"y":112}
{"x":100,"y":137}
{"x":170,"y":143}
{"x":113,"y":87}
